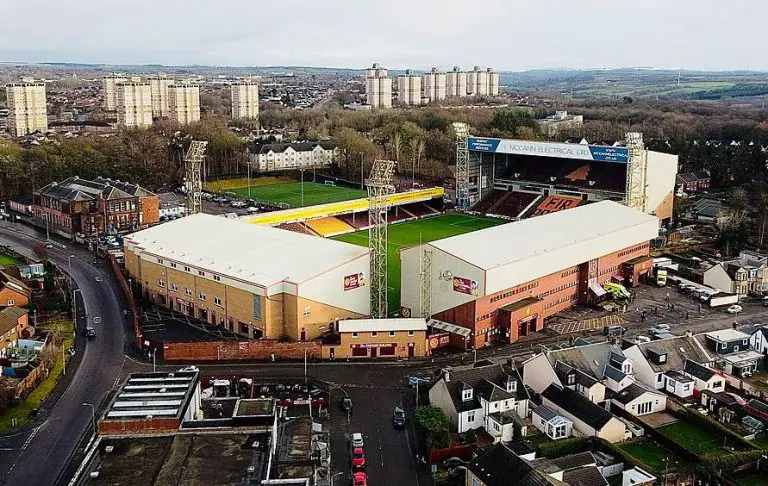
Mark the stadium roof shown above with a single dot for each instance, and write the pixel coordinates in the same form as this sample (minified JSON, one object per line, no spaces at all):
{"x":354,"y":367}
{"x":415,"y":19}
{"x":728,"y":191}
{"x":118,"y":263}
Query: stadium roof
{"x":383,"y":325}
{"x":259,"y":255}
{"x":522,"y":251}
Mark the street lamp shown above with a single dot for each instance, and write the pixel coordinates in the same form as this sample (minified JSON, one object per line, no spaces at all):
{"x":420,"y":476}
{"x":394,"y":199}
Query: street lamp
{"x":93,"y":416}
{"x":334,"y":475}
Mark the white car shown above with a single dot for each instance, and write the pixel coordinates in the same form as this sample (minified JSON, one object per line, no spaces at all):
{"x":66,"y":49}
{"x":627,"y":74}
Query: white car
{"x":356,"y":439}
{"x":253,"y":209}
{"x":734,"y":309}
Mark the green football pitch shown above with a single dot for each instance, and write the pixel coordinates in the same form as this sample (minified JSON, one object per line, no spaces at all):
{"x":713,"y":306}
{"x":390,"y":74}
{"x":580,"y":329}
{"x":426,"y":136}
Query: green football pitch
{"x":407,"y":234}
{"x":291,"y":193}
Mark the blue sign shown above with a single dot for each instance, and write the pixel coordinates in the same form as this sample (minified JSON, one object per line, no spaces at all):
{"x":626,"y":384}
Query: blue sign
{"x":549,"y":149}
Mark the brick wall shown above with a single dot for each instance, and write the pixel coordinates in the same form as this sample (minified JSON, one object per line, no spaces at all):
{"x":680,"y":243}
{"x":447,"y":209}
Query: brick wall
{"x":239,"y":350}
{"x":128,"y":294}
{"x":150,"y":210}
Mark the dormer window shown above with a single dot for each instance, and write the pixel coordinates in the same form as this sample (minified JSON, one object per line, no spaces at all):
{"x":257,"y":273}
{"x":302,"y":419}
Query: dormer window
{"x":511,"y":385}
{"x":466,"y":394}
{"x":571,"y":378}
{"x":627,"y":367}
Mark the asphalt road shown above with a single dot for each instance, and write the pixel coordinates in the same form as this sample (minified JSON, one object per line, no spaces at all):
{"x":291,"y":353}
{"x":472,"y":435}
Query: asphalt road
{"x":39,"y":455}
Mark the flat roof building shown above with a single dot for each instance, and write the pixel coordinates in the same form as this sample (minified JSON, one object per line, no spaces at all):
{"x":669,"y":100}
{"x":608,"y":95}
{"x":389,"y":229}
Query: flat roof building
{"x":255,"y":280}
{"x":159,"y":88}
{"x":27,"y":108}
{"x":134,"y":104}
{"x":502,"y":282}
{"x":378,"y":338}
{"x":184,"y":103}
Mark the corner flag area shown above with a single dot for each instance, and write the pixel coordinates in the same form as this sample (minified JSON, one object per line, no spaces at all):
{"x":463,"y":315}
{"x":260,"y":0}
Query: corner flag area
{"x":408,"y":234}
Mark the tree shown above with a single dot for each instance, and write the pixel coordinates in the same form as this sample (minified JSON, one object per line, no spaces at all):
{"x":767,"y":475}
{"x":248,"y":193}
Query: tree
{"x":7,"y":392}
{"x":434,"y":423}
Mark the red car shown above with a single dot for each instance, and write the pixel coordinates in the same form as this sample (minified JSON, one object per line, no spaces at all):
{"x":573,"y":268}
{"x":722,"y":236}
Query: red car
{"x":358,"y":457}
{"x":360,"y":479}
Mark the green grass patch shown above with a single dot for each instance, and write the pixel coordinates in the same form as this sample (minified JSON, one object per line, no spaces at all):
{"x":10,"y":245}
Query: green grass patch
{"x":408,"y":234}
{"x":8,"y":260}
{"x":21,"y":411}
{"x":652,"y":454}
{"x":291,"y":193}
{"x":693,"y":437}
{"x":227,"y":184}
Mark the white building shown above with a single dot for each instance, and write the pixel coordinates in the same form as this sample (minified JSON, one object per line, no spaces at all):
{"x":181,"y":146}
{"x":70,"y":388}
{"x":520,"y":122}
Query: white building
{"x":245,"y":100}
{"x":493,"y":83}
{"x":477,"y":82}
{"x":491,"y":397}
{"x":184,"y":103}
{"x":651,"y":361}
{"x":110,"y":91}
{"x":550,"y":423}
{"x":160,"y":98}
{"x":589,"y":419}
{"x":759,"y":340}
{"x":134,"y":104}
{"x":409,"y":88}
{"x":287,"y":156}
{"x":638,"y":400}
{"x":378,"y":87}
{"x":434,"y":85}
{"x":704,"y":378}
{"x":27,"y":108}
{"x":456,"y":83}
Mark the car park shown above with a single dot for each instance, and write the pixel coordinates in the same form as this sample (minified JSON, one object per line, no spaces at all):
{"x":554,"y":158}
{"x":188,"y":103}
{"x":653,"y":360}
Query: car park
{"x":398,"y":418}
{"x":358,"y":457}
{"x":734,"y":309}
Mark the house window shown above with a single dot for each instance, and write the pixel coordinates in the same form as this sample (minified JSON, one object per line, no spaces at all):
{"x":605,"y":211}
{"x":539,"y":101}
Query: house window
{"x":410,"y":333}
{"x":354,"y":334}
{"x":187,"y":291}
{"x":10,"y":302}
{"x":735,"y":349}
{"x":717,"y":384}
{"x":659,"y":377}
{"x":466,"y":395}
{"x":471,"y":416}
{"x":374,"y":333}
{"x":307,"y":311}
{"x":217,"y":278}
{"x":201,"y":273}
{"x":217,"y":301}
{"x":257,"y":307}
{"x":202,"y":296}
{"x":161,"y":283}
{"x":174,"y":288}
{"x":186,"y":269}
{"x":571,"y":379}
{"x":160,"y":261}
{"x":391,"y":333}
{"x":173,"y":265}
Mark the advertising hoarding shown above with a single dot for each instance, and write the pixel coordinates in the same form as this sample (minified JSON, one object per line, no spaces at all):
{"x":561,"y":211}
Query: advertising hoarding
{"x":353,"y":281}
{"x":550,"y":149}
{"x":464,"y":286}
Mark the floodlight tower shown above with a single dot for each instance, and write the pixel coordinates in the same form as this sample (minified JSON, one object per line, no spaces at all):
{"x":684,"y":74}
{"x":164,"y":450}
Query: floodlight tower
{"x":637,"y":171}
{"x":194,"y":183}
{"x":379,"y":188}
{"x":462,"y":164}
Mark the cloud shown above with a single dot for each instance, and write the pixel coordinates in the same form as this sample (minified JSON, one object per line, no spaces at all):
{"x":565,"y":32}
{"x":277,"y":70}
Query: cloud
{"x":505,"y":34}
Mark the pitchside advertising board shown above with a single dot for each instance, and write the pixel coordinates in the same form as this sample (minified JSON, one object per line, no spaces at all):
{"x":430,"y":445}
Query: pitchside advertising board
{"x":547,"y":149}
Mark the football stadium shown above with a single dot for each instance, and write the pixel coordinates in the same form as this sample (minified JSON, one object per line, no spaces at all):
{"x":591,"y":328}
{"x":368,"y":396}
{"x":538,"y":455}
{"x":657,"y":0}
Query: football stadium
{"x":521,"y":179}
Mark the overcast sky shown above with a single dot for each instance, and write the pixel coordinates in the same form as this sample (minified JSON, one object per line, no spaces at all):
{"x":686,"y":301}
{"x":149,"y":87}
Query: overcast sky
{"x":504,"y":34}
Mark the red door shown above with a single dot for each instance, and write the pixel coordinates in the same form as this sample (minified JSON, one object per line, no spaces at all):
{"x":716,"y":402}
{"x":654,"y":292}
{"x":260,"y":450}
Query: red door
{"x":411,"y":350}
{"x":303,"y":334}
{"x":374,"y":352}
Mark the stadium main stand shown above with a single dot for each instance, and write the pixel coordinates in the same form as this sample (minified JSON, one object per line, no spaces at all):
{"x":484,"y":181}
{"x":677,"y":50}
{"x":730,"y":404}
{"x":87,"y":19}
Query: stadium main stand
{"x":607,"y":176}
{"x":553,"y":204}
{"x":513,"y":203}
{"x":488,"y":201}
{"x":330,"y":226}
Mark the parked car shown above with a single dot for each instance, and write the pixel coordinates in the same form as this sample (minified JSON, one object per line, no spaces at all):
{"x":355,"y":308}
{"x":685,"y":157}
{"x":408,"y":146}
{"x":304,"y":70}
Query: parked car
{"x":735,"y":309}
{"x":358,"y":457}
{"x":356,"y":439}
{"x":453,"y":462}
{"x":398,"y":418}
{"x":346,"y":404}
{"x":90,"y":332}
{"x":359,"y":479}
{"x":190,"y":368}
{"x":252,"y":209}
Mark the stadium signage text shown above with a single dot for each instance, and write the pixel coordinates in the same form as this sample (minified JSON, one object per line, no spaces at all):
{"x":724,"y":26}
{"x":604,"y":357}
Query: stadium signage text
{"x":353,"y":281}
{"x":548,"y":149}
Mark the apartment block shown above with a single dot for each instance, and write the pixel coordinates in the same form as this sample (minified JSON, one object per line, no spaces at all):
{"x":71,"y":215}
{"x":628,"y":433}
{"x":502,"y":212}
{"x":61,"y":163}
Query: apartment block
{"x":378,"y":87}
{"x":409,"y":88}
{"x":159,"y":87}
{"x":477,"y":82}
{"x":134,"y":104}
{"x":456,"y":83}
{"x":245,"y":100}
{"x":434,"y":83}
{"x":184,"y":103}
{"x":27,"y":108}
{"x":110,"y":91}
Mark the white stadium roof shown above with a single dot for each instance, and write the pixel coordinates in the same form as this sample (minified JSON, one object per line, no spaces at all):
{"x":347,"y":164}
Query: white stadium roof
{"x":260,"y":255}
{"x":514,"y":253}
{"x":383,"y":325}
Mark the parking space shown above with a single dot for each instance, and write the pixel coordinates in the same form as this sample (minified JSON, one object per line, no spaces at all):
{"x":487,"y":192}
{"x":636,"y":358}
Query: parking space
{"x":389,"y":456}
